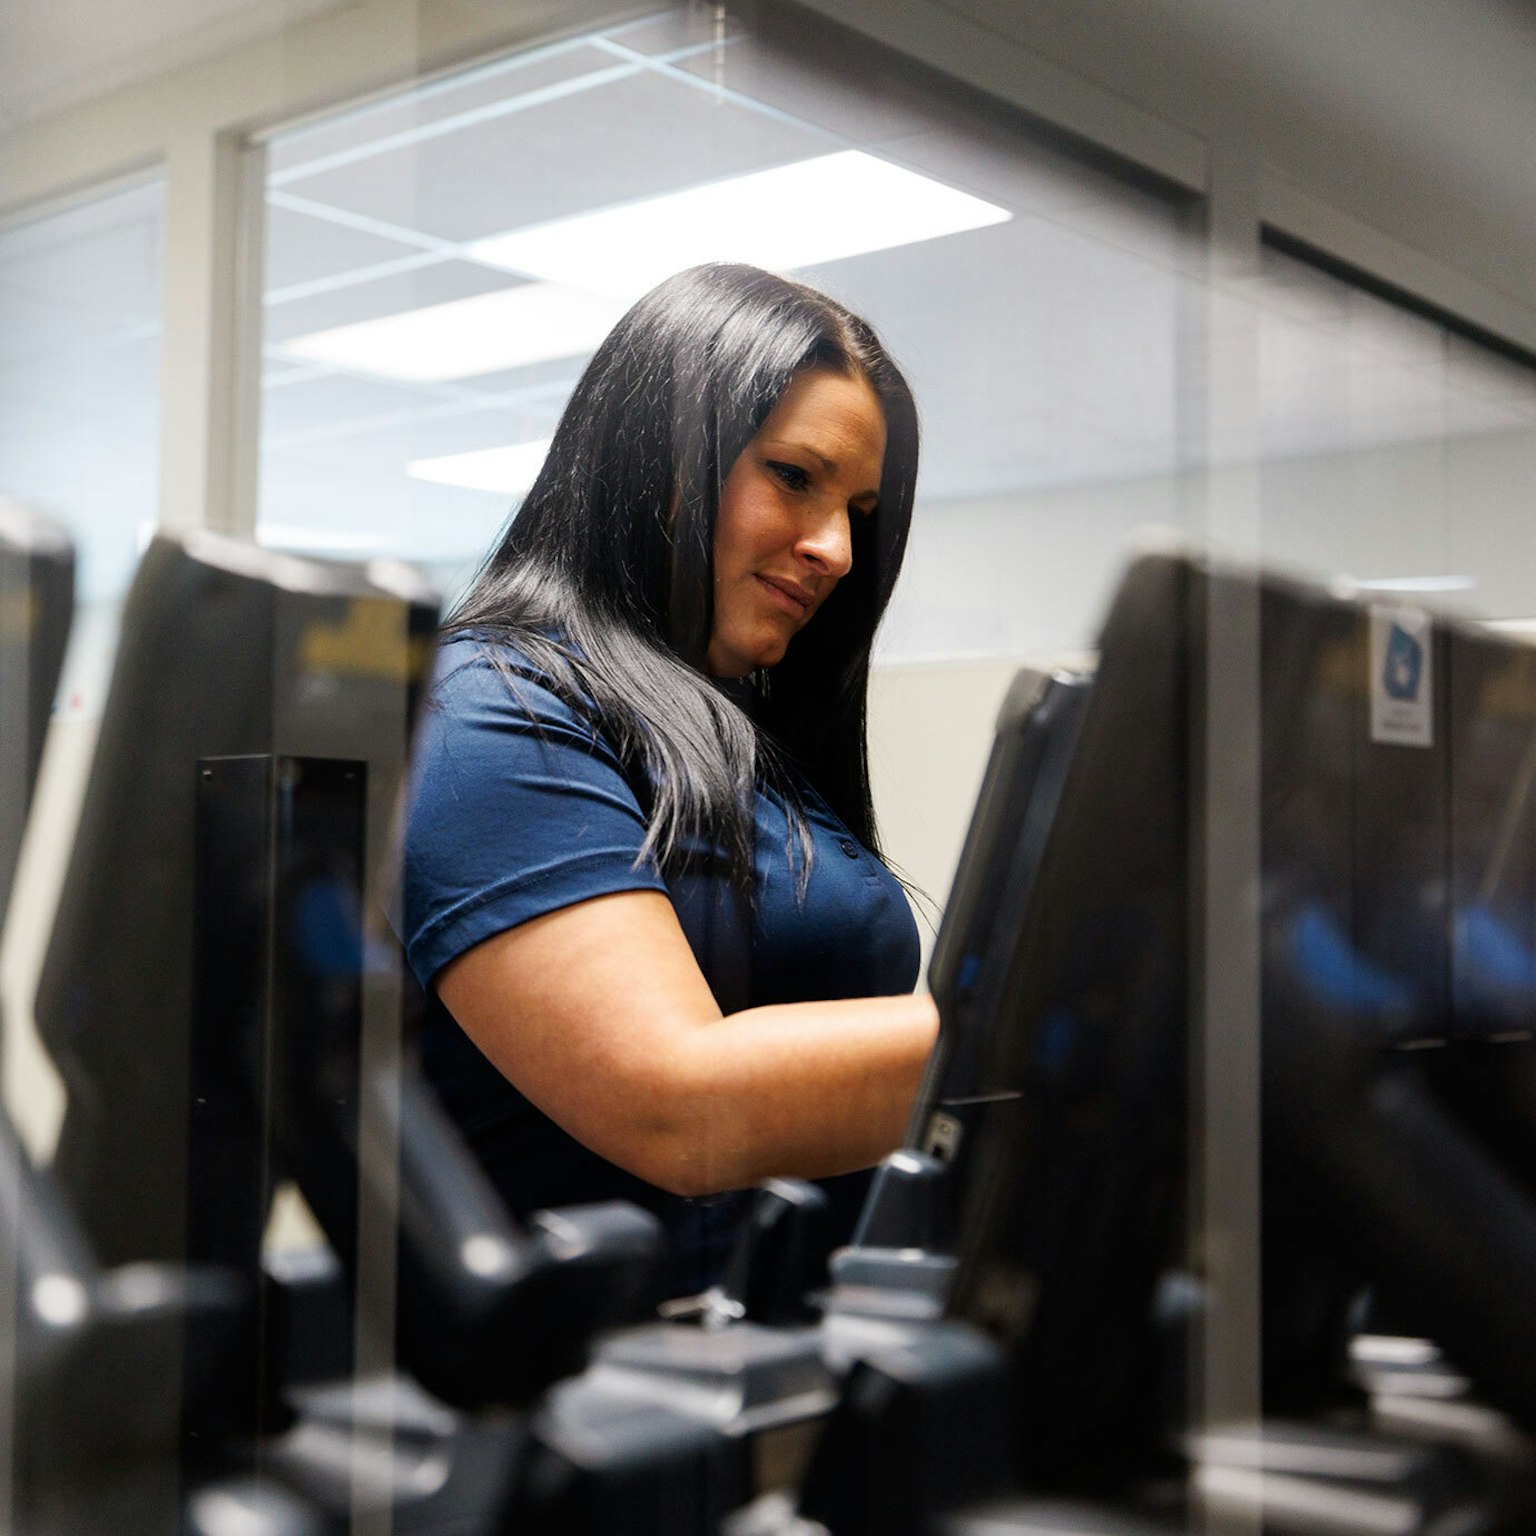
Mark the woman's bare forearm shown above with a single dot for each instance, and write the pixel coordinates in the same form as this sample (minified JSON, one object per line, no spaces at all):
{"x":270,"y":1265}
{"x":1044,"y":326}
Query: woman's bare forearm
{"x":599,"y":1014}
{"x":795,"y":1089}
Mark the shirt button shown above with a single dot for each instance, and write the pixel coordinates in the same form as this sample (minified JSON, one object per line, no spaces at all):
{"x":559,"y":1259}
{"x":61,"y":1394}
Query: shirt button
{"x":848,"y":846}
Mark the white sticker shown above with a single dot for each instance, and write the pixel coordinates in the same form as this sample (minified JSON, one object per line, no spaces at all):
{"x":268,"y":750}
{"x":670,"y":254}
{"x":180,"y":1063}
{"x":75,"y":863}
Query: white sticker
{"x":1402,"y":677}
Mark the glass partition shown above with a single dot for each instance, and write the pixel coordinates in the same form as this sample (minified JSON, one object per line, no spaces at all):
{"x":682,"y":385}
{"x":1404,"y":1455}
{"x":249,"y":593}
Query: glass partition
{"x":79,"y":446}
{"x":1091,"y":373}
{"x":1396,"y":450}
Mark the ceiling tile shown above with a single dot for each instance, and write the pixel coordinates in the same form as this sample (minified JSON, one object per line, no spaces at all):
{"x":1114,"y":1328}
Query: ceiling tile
{"x":301,"y":248}
{"x":423,"y":112}
{"x":632,"y":139}
{"x":374,"y":297}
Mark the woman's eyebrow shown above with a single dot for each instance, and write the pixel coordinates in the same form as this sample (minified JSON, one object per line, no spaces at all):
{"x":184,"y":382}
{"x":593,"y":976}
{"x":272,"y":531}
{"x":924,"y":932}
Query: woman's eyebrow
{"x":796,"y":446}
{"x":828,"y":465}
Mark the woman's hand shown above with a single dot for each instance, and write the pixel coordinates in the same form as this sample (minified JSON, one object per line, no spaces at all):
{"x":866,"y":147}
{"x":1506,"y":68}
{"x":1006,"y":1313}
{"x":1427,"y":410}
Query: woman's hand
{"x":599,"y":1014}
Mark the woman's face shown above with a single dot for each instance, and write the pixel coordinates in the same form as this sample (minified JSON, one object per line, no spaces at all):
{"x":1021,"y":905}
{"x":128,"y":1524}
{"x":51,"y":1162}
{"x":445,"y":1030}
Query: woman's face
{"x":783,"y":536}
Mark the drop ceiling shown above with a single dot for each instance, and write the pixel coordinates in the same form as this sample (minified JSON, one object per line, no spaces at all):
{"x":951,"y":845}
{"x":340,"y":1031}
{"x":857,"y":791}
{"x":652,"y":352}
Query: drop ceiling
{"x":1077,"y":343}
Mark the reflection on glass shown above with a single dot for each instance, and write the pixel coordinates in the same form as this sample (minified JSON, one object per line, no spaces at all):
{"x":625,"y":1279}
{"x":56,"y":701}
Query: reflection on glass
{"x":1396,"y":452}
{"x":440,"y":266}
{"x":80,"y":396}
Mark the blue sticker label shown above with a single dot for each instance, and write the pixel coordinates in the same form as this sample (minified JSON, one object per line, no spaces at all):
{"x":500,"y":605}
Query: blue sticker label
{"x":1402,"y":677}
{"x":1404,"y":665}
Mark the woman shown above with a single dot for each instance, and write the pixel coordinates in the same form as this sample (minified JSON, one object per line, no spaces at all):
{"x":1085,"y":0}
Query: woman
{"x":641,"y":870}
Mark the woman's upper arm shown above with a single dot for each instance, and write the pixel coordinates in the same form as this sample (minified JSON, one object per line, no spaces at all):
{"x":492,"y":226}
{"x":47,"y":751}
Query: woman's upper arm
{"x":528,"y":906}
{"x":584,"y":1010}
{"x":517,"y":809}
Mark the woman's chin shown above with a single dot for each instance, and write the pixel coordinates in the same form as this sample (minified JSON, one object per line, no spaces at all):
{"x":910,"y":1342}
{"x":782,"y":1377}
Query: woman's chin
{"x":743,"y":660}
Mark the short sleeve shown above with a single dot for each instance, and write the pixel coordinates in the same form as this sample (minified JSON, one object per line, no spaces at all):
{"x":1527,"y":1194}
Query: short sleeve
{"x":517,"y":808}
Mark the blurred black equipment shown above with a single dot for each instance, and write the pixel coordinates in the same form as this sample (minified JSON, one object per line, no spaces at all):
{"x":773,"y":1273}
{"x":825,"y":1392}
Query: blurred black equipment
{"x":226,"y":650}
{"x":1072,"y":1199}
{"x":1042,"y":1202}
{"x":225,"y":1004}
{"x":94,"y":1417}
{"x":37,"y":601}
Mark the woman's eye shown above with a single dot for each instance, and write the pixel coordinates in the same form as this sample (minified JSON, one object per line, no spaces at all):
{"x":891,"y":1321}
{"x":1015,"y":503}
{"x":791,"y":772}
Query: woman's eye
{"x":791,"y":474}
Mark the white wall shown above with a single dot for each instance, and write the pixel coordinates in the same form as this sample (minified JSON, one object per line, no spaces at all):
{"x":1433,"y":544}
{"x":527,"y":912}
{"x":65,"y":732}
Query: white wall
{"x":930,"y":727}
{"x":1033,"y":573}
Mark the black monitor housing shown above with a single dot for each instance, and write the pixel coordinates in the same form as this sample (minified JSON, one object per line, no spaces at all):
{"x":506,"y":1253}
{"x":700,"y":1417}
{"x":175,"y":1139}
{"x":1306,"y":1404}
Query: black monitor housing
{"x":226,"y":650}
{"x":1057,"y":1135}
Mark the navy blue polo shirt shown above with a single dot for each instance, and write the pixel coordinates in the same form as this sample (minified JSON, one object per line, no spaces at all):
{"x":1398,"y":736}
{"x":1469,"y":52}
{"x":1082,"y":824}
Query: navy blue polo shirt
{"x":519,"y":806}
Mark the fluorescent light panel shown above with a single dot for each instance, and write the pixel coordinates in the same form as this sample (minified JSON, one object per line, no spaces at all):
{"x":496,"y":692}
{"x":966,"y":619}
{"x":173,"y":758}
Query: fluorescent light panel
{"x":588,"y":267}
{"x":796,"y":215}
{"x":507,"y":471}
{"x":510,"y":328}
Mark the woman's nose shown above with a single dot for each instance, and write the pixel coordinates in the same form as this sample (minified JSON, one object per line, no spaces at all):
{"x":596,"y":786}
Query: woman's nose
{"x":829,"y":545}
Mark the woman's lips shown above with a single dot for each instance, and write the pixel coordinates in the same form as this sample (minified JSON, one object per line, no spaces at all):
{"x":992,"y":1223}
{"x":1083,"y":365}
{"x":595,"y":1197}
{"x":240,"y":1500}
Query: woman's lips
{"x":788,"y":598}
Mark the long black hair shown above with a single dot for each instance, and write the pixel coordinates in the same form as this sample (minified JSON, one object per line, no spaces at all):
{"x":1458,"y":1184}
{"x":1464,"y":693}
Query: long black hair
{"x":604,"y":577}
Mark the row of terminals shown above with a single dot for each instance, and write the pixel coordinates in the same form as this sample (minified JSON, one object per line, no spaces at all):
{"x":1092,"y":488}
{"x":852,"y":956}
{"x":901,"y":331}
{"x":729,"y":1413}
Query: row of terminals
{"x":1019,"y":1338}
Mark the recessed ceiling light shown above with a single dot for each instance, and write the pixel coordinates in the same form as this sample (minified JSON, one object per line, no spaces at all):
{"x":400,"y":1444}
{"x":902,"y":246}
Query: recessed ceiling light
{"x":321,"y":540}
{"x":793,"y":216}
{"x":1414,"y":583}
{"x":510,"y":328}
{"x":507,"y":471}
